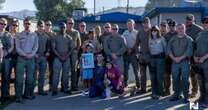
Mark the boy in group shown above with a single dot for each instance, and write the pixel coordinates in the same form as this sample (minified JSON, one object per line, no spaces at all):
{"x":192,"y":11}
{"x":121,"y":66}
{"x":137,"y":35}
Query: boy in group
{"x":180,"y":51}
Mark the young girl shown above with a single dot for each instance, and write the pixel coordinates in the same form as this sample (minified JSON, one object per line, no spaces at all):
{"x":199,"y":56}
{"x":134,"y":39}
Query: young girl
{"x":98,"y":86}
{"x":87,"y":68}
{"x":115,"y":78}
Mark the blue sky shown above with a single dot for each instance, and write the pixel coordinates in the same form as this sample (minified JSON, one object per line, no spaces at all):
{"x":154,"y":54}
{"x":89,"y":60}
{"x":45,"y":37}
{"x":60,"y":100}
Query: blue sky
{"x":16,"y":5}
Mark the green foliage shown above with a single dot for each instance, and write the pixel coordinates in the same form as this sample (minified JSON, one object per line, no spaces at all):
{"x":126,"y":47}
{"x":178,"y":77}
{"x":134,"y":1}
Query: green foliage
{"x":56,"y":9}
{"x":151,"y":4}
{"x":1,"y":2}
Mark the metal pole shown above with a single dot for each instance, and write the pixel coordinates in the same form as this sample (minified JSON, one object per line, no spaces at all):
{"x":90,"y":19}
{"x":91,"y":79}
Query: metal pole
{"x":127,"y":7}
{"x":94,"y":7}
{"x":103,"y":9}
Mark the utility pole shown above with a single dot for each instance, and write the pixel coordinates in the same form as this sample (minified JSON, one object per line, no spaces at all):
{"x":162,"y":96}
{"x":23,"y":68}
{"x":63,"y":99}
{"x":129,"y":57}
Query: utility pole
{"x":127,"y":7}
{"x":103,"y":9}
{"x":94,"y":7}
{"x":119,"y":3}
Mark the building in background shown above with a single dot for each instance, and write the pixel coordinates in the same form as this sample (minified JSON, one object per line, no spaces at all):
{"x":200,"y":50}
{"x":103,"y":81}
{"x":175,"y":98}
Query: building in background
{"x":177,"y":13}
{"x":132,"y":10}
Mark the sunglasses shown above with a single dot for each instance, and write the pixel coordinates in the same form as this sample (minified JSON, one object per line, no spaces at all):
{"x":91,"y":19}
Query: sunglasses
{"x":70,"y":23}
{"x":41,"y":26}
{"x":27,"y":23}
{"x":205,"y":22}
{"x":114,"y":28}
{"x":163,"y":25}
{"x":48,"y":24}
{"x":154,"y":30}
{"x":82,"y":25}
{"x":3,"y":24}
{"x":171,"y":25}
{"x":15,"y":25}
{"x":107,"y":27}
{"x":62,"y":27}
{"x":99,"y":56}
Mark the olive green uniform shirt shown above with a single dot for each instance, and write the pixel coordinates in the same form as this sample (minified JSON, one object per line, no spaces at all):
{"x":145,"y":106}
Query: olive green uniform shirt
{"x":115,"y":44}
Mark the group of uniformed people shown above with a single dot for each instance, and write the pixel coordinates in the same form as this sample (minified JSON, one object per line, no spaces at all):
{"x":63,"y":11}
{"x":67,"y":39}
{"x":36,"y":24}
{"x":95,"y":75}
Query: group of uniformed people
{"x":170,"y":49}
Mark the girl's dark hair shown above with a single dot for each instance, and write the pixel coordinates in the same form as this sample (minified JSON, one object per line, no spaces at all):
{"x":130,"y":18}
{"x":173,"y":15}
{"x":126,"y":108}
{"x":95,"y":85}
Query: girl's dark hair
{"x":91,"y":33}
{"x":155,"y":28}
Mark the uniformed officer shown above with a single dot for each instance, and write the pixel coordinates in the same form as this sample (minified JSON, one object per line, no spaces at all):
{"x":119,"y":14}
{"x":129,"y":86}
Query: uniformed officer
{"x":192,"y":29}
{"x":62,"y":47}
{"x":106,"y":33}
{"x":74,"y":56}
{"x":104,"y":36}
{"x":14,"y":30}
{"x":83,"y":32}
{"x":41,"y":57}
{"x":200,"y":58}
{"x":84,"y":37}
{"x":49,"y":32}
{"x":172,"y":32}
{"x":115,"y":48}
{"x":142,"y":42}
{"x":130,"y":55}
{"x":163,"y":28}
{"x":26,"y":46}
{"x":180,"y":51}
{"x":5,"y":38}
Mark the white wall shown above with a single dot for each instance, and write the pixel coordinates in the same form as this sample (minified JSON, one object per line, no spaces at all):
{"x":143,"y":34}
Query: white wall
{"x":178,"y":17}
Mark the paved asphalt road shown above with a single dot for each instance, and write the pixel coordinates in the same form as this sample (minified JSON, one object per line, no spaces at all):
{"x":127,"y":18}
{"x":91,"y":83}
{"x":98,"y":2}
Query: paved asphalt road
{"x":79,"y":102}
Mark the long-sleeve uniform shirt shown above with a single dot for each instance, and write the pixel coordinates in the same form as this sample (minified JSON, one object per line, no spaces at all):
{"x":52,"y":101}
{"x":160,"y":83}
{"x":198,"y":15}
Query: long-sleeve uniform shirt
{"x":26,"y":43}
{"x":76,"y":38}
{"x":115,"y":44}
{"x":104,"y":37}
{"x":5,"y":38}
{"x":62,"y":44}
{"x":142,"y":42}
{"x":130,"y":38}
{"x":50,"y":36}
{"x":202,"y":45}
{"x":83,"y":37}
{"x":43,"y":42}
{"x":193,"y":31}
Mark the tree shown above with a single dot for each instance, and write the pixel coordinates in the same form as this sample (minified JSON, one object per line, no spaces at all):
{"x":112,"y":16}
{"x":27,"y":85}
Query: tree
{"x":1,"y":3}
{"x":56,"y":9}
{"x":151,"y":4}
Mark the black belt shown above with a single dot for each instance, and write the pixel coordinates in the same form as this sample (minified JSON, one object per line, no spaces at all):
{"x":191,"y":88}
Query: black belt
{"x":26,"y":58}
{"x":161,"y":55}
